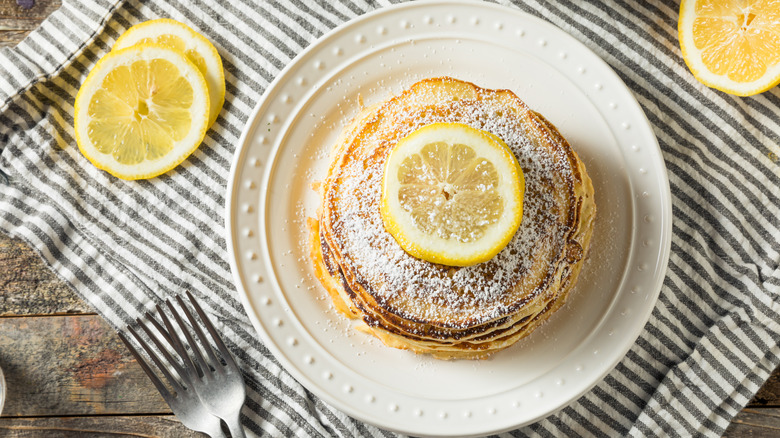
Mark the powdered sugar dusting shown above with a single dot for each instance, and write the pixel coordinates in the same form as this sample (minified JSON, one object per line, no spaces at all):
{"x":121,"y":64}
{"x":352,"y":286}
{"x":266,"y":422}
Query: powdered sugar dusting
{"x":422,"y":291}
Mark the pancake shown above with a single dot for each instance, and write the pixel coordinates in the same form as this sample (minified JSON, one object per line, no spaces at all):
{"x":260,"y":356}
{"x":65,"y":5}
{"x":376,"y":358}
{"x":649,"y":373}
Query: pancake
{"x":451,"y":312}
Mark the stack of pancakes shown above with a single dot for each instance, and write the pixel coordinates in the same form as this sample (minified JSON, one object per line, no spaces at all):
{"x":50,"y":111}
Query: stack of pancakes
{"x":451,"y":312}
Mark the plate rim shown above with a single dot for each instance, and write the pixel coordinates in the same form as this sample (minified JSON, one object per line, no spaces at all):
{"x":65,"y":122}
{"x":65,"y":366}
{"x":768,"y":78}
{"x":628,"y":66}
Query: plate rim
{"x":231,"y":208}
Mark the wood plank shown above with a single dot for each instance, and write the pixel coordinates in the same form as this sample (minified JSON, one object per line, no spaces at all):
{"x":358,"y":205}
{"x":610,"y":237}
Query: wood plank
{"x":28,"y":287}
{"x":10,"y":38}
{"x":769,"y":394}
{"x":71,"y":365}
{"x":15,"y":16}
{"x":92,"y":427}
{"x":16,"y":22}
{"x":756,"y":423}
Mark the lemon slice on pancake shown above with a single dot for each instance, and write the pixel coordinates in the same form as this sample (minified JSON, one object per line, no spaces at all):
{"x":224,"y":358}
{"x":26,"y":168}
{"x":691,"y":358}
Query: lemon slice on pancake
{"x":452,"y":194}
{"x":732,"y":45}
{"x":141,"y":111}
{"x":198,"y":49}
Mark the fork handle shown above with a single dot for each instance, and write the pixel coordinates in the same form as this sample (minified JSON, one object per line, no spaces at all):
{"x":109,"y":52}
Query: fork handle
{"x":236,"y":429}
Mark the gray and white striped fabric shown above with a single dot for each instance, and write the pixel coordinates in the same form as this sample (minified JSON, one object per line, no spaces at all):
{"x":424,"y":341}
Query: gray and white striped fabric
{"x":712,"y":339}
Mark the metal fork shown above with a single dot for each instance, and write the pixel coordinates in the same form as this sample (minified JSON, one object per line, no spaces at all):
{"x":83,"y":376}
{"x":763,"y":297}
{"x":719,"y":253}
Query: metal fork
{"x":183,"y":401}
{"x":207,"y":389}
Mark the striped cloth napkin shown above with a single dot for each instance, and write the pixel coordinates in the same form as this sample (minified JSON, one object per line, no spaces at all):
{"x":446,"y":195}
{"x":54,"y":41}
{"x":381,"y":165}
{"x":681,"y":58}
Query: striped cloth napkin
{"x":712,"y":339}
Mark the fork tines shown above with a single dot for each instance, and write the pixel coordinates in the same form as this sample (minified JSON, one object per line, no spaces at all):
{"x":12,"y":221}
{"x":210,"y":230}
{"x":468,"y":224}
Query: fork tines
{"x":188,"y":361}
{"x":191,"y":375}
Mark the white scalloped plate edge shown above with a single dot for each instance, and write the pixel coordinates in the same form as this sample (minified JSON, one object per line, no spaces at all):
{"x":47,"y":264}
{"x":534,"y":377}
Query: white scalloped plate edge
{"x":246,"y":219}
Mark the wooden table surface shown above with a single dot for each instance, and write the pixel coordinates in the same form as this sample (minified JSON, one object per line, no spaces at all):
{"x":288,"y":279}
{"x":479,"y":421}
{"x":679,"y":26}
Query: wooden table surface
{"x":69,"y":375}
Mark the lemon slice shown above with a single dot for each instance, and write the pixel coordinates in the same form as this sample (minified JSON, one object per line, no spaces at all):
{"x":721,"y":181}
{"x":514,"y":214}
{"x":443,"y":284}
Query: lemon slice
{"x":732,"y":45}
{"x":141,"y":111}
{"x":199,"y":50}
{"x":452,"y":194}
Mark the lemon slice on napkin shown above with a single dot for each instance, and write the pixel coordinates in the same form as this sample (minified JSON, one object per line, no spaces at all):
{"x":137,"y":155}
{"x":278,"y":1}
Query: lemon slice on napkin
{"x":452,"y":194}
{"x":196,"y":47}
{"x":732,"y":45}
{"x":141,"y":111}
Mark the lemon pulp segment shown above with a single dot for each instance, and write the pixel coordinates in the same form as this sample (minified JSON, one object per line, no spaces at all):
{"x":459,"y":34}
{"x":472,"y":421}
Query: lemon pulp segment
{"x":197,"y":48}
{"x":732,"y":45}
{"x":141,"y":111}
{"x":122,"y":123}
{"x":452,"y":194}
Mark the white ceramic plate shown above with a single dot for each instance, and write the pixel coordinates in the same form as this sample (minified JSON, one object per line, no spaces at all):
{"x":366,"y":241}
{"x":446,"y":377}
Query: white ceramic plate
{"x":285,"y":148}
